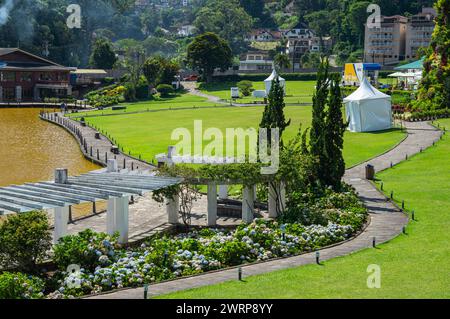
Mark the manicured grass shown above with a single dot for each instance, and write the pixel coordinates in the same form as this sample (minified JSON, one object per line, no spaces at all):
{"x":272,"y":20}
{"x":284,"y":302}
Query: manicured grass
{"x":415,"y":265}
{"x":149,"y":134}
{"x":296,"y":91}
{"x":173,"y":102}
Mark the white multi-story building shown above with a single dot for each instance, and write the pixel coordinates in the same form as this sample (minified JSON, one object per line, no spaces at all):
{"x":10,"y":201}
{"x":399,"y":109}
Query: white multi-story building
{"x":256,"y":61}
{"x":419,"y":30}
{"x":386,"y":44}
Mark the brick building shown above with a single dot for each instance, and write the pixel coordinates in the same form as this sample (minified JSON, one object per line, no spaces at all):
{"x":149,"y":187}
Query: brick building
{"x":27,"y":77}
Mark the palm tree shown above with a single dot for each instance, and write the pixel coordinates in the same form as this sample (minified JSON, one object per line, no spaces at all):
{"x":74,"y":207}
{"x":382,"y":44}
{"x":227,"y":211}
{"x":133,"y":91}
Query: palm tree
{"x":281,"y":61}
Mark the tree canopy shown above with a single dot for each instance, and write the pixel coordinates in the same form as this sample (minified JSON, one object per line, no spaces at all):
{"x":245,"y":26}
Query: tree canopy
{"x":208,"y":52}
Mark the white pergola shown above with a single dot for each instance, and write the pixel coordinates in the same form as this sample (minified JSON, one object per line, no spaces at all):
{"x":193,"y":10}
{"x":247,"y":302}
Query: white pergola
{"x":59,"y":195}
{"x":276,"y":196}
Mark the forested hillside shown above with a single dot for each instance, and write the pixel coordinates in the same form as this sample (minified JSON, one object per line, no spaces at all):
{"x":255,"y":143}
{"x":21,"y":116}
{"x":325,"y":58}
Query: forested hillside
{"x":40,"y":25}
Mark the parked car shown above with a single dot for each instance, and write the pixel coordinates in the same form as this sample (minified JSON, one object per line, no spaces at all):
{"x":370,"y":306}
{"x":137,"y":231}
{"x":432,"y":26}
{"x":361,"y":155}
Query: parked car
{"x":191,"y":78}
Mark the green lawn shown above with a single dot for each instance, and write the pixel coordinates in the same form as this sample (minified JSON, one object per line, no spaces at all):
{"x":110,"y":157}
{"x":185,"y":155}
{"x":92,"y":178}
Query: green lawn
{"x":174,"y":102}
{"x":296,"y":91}
{"x":149,"y":134}
{"x":416,"y":265}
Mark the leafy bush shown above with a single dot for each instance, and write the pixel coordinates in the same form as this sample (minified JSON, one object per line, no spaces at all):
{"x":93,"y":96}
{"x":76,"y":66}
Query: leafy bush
{"x":107,"y":96}
{"x":342,"y":208}
{"x":246,"y":87}
{"x":199,"y":251}
{"x":20,"y":286}
{"x":165,"y":90}
{"x":24,"y":241}
{"x":427,"y":115}
{"x":87,"y":249}
{"x":142,"y":89}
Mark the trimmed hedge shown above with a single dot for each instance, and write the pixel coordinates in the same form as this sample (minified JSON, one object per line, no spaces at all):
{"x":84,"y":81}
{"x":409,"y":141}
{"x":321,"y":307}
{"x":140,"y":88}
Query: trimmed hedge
{"x":262,"y":77}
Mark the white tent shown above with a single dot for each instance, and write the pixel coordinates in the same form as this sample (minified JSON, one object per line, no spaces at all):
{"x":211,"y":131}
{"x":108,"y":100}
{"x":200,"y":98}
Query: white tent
{"x":368,"y":109}
{"x":273,"y":76}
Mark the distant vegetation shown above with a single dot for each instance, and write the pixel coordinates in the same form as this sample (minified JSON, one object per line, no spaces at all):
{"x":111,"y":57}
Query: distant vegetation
{"x":40,"y":26}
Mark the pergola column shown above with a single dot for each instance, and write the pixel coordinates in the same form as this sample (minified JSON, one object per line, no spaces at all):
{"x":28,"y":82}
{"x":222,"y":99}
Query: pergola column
{"x":211,"y":217}
{"x":60,"y":224}
{"x":122,"y":215}
{"x":111,"y":227}
{"x":61,"y":214}
{"x":111,"y":216}
{"x":248,"y":204}
{"x":173,"y":205}
{"x":223,"y":191}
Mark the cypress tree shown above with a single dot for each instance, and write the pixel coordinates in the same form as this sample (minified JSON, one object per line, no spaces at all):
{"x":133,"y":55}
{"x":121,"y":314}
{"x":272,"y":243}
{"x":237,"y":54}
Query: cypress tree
{"x":334,"y":136}
{"x":273,"y":116}
{"x":318,"y":126}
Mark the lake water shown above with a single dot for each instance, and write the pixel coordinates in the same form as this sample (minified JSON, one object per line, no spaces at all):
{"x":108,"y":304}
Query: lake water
{"x":31,"y":149}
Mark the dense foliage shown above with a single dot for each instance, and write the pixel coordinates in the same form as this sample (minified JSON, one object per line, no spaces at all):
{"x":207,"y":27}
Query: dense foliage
{"x":40,"y":26}
{"x":103,"y":55}
{"x":434,"y":90}
{"x":84,"y":249}
{"x":200,"y":251}
{"x":208,"y":52}
{"x":25,"y":241}
{"x":20,"y":286}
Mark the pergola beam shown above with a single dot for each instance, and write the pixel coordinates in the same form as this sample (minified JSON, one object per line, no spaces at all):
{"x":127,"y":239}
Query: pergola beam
{"x":42,"y":195}
{"x":32,"y":198}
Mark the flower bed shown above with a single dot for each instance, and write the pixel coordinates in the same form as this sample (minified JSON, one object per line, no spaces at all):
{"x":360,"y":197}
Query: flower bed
{"x":423,"y":115}
{"x":169,"y":258}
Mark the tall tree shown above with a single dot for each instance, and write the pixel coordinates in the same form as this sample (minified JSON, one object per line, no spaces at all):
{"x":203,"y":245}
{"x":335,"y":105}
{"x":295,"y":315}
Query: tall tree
{"x":225,"y":18}
{"x":103,"y":56}
{"x":282,"y":61}
{"x":273,"y":116}
{"x":334,"y":136}
{"x":435,"y":86}
{"x":134,"y":64}
{"x":318,"y":127}
{"x":208,"y":52}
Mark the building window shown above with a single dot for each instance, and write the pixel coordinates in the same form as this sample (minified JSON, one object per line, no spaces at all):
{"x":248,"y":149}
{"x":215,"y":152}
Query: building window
{"x":8,"y":77}
{"x":26,"y":77}
{"x":45,"y":76}
{"x":9,"y":94}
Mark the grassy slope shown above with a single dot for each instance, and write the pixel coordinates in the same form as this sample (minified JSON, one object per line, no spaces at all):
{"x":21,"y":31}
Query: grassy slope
{"x":149,"y":134}
{"x":296,"y":91}
{"x":174,"y":102}
{"x":413,"y":266}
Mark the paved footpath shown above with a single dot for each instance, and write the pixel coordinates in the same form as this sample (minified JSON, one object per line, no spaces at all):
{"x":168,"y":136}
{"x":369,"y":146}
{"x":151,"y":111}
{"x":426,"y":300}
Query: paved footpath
{"x":387,"y":222}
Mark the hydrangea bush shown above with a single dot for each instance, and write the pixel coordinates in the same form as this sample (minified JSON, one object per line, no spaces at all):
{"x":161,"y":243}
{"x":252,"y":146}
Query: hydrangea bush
{"x":166,"y":258}
{"x":20,"y":286}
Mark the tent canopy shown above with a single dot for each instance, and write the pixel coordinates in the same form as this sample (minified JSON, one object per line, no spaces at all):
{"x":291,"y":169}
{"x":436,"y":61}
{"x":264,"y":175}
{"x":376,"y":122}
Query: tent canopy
{"x":366,"y":92}
{"x":368,"y":109}
{"x":402,"y":75}
{"x":271,"y":78}
{"x":413,"y":65}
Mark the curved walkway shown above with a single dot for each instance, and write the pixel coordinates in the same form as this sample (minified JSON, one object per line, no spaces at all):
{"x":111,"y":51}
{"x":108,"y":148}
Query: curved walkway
{"x":97,"y":150}
{"x":192,"y":88}
{"x":387,"y":222}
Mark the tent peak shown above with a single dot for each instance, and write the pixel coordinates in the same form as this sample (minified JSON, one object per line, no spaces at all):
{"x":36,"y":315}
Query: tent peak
{"x":366,"y":92}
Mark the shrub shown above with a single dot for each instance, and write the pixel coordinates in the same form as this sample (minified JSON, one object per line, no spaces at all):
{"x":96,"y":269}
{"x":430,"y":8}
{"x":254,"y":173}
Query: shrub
{"x":87,"y":249}
{"x":20,"y":286}
{"x":25,"y":240}
{"x":142,"y":89}
{"x":246,"y":87}
{"x":165,"y":90}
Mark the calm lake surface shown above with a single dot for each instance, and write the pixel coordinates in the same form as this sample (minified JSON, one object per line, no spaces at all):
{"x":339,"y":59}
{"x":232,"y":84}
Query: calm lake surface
{"x":31,"y":149}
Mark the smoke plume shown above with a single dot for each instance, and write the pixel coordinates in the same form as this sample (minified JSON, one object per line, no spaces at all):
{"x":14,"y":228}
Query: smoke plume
{"x":4,"y":11}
